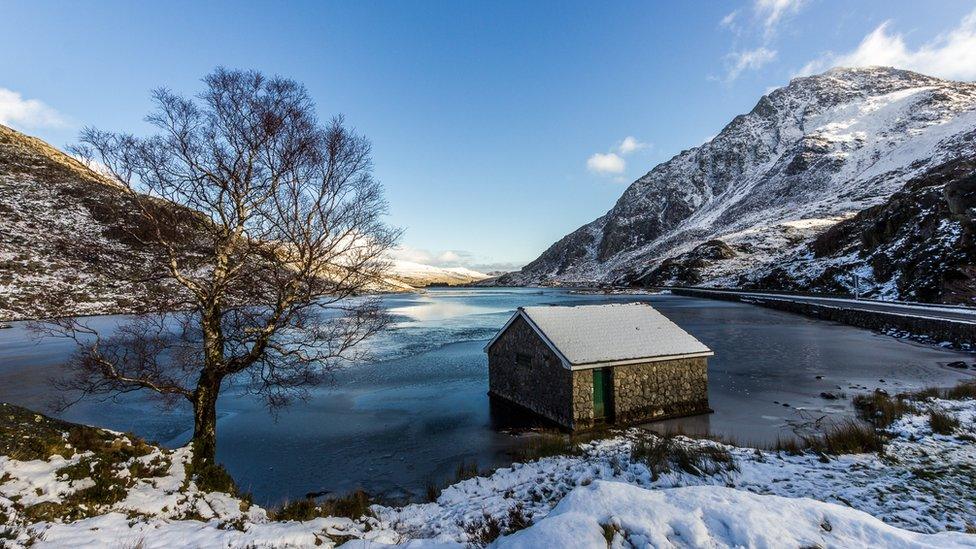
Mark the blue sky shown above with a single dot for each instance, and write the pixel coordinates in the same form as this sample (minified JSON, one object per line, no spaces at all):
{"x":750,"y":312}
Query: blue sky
{"x":496,"y":127}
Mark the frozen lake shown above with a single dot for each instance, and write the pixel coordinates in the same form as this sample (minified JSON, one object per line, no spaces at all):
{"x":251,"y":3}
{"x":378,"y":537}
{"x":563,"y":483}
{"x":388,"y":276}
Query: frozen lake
{"x":420,"y":408}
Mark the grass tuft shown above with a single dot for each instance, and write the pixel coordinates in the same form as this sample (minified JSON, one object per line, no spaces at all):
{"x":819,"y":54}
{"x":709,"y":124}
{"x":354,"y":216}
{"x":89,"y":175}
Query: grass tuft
{"x":664,"y":454}
{"x":353,"y":505}
{"x":847,"y":437}
{"x":553,"y":443}
{"x":962,"y":391}
{"x":882,"y":409}
{"x":942,"y":423}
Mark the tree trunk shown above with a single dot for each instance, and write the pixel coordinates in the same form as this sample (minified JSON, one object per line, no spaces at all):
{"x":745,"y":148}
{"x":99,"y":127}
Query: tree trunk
{"x":208,"y":389}
{"x":205,"y":418}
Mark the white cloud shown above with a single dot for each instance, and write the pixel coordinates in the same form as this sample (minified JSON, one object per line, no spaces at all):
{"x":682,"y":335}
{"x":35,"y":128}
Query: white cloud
{"x":631,"y":144}
{"x":408,"y":253}
{"x":773,"y":11}
{"x":609,"y":163}
{"x":736,"y":62}
{"x":452,"y":258}
{"x":23,"y":113}
{"x":949,"y":55}
{"x":729,"y":20}
{"x":449,"y":256}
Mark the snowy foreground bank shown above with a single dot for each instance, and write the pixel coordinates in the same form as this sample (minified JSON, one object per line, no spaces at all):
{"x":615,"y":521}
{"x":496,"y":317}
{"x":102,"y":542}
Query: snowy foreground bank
{"x":921,"y":492}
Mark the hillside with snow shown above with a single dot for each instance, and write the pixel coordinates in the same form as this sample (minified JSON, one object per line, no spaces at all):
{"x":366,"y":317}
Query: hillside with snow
{"x":66,"y":234}
{"x":745,"y":208}
{"x":418,"y":275}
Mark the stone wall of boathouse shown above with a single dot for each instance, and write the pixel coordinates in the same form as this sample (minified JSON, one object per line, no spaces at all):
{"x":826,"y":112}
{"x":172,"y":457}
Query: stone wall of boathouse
{"x":543,"y":385}
{"x":646,"y":391}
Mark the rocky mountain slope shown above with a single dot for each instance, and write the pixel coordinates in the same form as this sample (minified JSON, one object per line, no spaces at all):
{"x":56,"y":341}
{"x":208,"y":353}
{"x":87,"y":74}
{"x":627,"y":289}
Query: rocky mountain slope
{"x":63,"y":232}
{"x":835,"y":150}
{"x":66,"y":233}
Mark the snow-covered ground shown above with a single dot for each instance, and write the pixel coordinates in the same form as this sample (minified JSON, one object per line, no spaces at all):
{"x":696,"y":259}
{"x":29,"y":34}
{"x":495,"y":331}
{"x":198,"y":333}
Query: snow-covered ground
{"x":918,"y":493}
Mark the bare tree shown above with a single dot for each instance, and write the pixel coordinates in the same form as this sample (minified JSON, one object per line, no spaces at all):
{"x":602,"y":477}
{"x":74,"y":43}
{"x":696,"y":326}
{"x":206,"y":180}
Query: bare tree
{"x":262,"y":230}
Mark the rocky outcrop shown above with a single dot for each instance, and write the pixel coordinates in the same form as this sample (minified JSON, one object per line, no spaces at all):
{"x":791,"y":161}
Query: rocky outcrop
{"x":687,"y":268}
{"x":915,"y":246}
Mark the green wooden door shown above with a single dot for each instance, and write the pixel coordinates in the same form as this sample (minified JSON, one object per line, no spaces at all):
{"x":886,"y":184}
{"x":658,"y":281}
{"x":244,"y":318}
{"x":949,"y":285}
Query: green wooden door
{"x":601,"y":393}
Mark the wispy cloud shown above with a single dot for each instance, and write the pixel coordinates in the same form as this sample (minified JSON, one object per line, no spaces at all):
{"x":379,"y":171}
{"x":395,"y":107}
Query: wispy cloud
{"x":949,"y":55}
{"x":773,"y":12}
{"x":767,"y":17}
{"x":739,"y":61}
{"x":729,"y":20}
{"x":609,"y":163}
{"x":21,"y":113}
{"x":451,"y":258}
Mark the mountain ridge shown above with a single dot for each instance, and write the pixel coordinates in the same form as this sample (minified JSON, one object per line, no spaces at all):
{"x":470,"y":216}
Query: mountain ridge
{"x":808,"y":156}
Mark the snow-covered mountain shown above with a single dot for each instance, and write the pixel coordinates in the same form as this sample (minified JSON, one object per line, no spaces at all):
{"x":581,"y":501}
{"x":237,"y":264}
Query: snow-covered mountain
{"x":750,"y":201}
{"x":418,"y":275}
{"x":66,"y":234}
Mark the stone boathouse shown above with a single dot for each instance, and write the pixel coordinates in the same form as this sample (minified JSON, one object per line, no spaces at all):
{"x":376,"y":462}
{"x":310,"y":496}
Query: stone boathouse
{"x":589,"y":364}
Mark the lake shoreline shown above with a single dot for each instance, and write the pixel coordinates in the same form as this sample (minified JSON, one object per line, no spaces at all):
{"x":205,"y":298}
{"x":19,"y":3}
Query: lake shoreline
{"x":428,"y":382}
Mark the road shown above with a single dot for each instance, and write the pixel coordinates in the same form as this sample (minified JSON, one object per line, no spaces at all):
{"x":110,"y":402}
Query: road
{"x":917,"y":310}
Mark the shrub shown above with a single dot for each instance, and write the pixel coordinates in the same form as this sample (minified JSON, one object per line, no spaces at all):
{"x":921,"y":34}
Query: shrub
{"x":300,"y":510}
{"x":483,"y":532}
{"x":209,"y":476}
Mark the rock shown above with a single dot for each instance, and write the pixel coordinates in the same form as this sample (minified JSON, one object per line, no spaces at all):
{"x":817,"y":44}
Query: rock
{"x":828,"y":396}
{"x":958,"y":364}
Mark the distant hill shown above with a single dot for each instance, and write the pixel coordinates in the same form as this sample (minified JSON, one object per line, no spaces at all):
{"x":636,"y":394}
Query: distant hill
{"x":419,"y":275}
{"x":66,"y":235}
{"x":848,"y":172}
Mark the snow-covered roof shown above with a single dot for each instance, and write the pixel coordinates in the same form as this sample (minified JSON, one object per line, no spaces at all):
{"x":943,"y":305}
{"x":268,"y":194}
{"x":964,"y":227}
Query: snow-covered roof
{"x":586,"y":335}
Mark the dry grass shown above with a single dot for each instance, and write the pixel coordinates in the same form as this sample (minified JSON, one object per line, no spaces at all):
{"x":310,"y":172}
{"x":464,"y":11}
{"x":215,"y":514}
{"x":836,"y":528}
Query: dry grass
{"x":664,"y":454}
{"x":962,"y":391}
{"x":483,"y":532}
{"x":354,"y":505}
{"x":848,"y":437}
{"x":554,"y":443}
{"x":942,"y":423}
{"x":882,"y":409}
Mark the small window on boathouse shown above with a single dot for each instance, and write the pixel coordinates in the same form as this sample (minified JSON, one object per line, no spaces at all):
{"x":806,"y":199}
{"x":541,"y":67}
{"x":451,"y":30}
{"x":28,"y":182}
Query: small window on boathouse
{"x":522,"y":359}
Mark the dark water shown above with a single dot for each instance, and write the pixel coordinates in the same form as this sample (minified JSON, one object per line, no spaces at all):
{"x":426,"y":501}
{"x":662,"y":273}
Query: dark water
{"x":421,"y":408}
